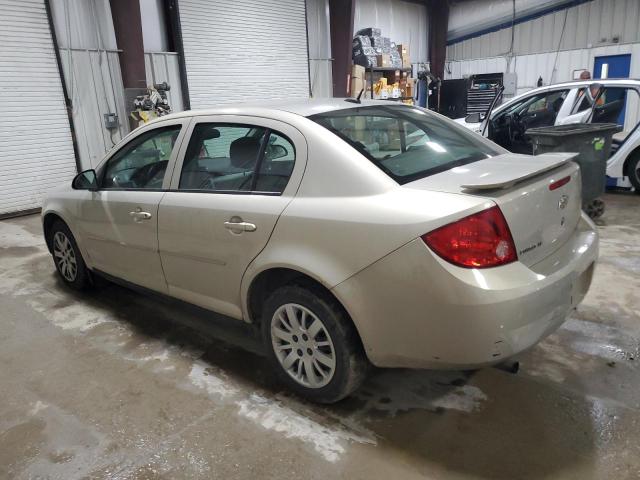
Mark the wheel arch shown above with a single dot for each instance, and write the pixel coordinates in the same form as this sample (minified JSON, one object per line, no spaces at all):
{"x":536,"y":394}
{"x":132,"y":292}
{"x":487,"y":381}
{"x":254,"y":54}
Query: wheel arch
{"x":269,"y":279}
{"x":633,"y":154}
{"x":48,"y":220}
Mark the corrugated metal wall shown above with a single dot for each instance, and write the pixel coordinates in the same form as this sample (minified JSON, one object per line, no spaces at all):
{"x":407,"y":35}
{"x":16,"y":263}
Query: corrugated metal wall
{"x":36,"y":151}
{"x":87,"y":46}
{"x":592,"y":24}
{"x":242,"y":50}
{"x":403,"y":22}
{"x":320,"y":63}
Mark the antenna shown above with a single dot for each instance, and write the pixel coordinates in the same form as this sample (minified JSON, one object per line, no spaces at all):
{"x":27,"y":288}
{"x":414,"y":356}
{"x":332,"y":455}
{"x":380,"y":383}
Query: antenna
{"x":357,"y":99}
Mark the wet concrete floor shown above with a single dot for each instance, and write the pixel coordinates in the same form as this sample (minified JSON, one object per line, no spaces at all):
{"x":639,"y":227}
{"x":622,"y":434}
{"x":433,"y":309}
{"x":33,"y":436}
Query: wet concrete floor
{"x":113,"y":384}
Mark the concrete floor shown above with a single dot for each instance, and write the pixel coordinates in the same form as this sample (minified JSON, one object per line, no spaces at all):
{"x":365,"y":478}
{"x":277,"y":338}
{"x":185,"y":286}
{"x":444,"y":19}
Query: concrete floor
{"x":111,"y":384}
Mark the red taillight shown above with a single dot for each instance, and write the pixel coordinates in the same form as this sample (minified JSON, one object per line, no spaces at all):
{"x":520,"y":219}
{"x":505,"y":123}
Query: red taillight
{"x":480,"y":240}
{"x":557,"y":184}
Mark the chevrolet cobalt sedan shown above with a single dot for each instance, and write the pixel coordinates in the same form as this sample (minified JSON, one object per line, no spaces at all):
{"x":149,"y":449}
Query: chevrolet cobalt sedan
{"x":348,"y":233}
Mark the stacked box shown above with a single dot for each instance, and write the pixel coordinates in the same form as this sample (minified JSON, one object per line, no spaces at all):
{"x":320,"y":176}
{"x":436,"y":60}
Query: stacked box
{"x":362,"y":52}
{"x":370,"y":32}
{"x":362,"y":41}
{"x":396,"y":59}
{"x":386,"y":45}
{"x":384,"y":60}
{"x":403,"y":51}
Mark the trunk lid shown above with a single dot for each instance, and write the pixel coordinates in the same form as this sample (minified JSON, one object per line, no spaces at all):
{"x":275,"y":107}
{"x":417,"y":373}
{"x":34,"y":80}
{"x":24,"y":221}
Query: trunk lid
{"x":541,"y":219}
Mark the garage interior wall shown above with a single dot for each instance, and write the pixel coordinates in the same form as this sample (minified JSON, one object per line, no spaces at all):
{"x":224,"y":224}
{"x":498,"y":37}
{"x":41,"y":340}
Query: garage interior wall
{"x":161,"y":63}
{"x":555,"y":46}
{"x":320,"y":62}
{"x":36,"y":149}
{"x":244,"y":50}
{"x":87,"y":45}
{"x":403,"y":22}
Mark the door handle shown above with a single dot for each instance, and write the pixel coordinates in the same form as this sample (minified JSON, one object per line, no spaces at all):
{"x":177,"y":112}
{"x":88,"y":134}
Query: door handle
{"x":237,"y":225}
{"x":139,"y":215}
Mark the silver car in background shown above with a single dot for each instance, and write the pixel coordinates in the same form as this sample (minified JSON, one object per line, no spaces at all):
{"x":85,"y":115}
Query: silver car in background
{"x":349,"y":234}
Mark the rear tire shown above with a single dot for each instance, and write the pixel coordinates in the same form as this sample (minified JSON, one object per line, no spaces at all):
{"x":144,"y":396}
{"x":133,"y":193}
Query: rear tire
{"x":633,"y":171}
{"x":67,"y":257}
{"x":312,"y":344}
{"x":595,"y":208}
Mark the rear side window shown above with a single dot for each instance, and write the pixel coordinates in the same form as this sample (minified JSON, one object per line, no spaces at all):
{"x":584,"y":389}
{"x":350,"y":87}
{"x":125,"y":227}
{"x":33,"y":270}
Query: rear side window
{"x":236,"y":158}
{"x":406,"y":143}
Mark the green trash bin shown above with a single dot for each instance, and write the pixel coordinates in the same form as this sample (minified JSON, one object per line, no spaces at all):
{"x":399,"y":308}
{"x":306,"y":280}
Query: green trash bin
{"x":592,"y":142}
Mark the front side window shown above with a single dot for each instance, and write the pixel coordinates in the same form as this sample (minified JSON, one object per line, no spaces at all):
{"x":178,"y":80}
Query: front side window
{"x":236,"y":158}
{"x":142,"y":163}
{"x":406,"y":143}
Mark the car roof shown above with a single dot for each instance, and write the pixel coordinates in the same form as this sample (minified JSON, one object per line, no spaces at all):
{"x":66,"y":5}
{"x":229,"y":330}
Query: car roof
{"x":302,"y":107}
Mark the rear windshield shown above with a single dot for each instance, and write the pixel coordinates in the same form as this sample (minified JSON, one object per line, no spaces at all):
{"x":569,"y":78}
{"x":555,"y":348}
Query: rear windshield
{"x":406,"y":143}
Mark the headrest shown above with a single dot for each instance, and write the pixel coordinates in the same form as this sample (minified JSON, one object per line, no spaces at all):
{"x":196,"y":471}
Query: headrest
{"x":244,"y":152}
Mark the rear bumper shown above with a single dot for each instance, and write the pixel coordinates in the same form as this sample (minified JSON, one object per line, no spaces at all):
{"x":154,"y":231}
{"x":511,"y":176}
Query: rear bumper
{"x":413,"y":309}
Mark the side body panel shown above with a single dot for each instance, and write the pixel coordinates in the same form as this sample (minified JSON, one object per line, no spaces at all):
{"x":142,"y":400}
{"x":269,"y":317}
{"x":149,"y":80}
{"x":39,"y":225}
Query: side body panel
{"x":348,"y":214}
{"x":117,"y":238}
{"x":204,"y":261}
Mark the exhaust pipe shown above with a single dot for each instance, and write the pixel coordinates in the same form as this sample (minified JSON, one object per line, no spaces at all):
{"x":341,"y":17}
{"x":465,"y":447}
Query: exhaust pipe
{"x":509,"y":366}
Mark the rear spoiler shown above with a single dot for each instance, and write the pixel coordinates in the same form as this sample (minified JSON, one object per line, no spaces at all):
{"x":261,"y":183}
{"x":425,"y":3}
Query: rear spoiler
{"x":517,"y":168}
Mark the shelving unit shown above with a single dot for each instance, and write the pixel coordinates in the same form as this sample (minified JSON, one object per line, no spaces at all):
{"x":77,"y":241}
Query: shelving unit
{"x":370,"y":70}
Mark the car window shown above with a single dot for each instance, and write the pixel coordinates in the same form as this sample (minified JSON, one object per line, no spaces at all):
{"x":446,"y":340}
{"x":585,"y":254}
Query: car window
{"x":406,"y":143}
{"x":610,"y":105}
{"x":225,"y":157}
{"x":277,"y":164}
{"x":142,"y":163}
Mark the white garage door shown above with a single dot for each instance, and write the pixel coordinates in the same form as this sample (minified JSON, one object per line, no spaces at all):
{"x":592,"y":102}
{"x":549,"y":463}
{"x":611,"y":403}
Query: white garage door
{"x":36,"y":153}
{"x":242,"y":50}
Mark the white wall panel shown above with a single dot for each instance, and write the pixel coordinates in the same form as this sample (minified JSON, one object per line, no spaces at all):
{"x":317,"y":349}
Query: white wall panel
{"x":589,"y":25}
{"x":83,"y":24}
{"x":240,"y":50}
{"x":87,"y":44}
{"x":403,"y":22}
{"x":320,"y":63}
{"x":94,"y":84}
{"x":36,"y":151}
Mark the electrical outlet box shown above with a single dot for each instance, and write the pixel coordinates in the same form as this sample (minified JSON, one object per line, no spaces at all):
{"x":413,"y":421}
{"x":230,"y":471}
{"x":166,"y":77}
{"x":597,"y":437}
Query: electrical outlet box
{"x":110,"y":121}
{"x":510,"y":83}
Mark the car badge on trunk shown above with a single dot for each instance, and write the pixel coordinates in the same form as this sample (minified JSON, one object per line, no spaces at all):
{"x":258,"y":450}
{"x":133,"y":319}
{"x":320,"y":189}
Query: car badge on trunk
{"x":564,"y":200}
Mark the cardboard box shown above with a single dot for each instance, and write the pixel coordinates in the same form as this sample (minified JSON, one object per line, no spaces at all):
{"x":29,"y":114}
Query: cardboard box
{"x":403,"y":49}
{"x":384,"y":60}
{"x":357,"y":71}
{"x":406,"y":61}
{"x":409,"y":88}
{"x":357,"y":85}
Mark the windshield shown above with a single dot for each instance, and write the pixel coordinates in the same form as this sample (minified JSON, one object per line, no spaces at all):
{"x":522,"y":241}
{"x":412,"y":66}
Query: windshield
{"x":406,"y":143}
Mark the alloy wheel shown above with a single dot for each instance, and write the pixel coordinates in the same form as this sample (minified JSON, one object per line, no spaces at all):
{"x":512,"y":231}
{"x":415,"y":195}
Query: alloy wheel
{"x":65,"y":256}
{"x":303,"y":346}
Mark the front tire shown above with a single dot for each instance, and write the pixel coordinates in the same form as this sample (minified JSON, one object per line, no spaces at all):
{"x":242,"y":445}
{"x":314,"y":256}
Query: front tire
{"x":634,"y":172}
{"x":67,"y":257}
{"x":312,"y":344}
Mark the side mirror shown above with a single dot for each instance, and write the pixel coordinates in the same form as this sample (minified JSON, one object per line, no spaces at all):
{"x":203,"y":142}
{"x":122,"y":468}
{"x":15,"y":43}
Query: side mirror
{"x":473,"y":118}
{"x":86,"y":180}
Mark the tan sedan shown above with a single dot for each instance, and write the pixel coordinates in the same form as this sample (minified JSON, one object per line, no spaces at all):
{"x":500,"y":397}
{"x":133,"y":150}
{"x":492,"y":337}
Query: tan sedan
{"x":348,"y":233}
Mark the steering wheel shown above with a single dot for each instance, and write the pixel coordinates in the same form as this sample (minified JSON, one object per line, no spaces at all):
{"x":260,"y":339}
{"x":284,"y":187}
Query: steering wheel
{"x":514,"y":126}
{"x":142,"y":176}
